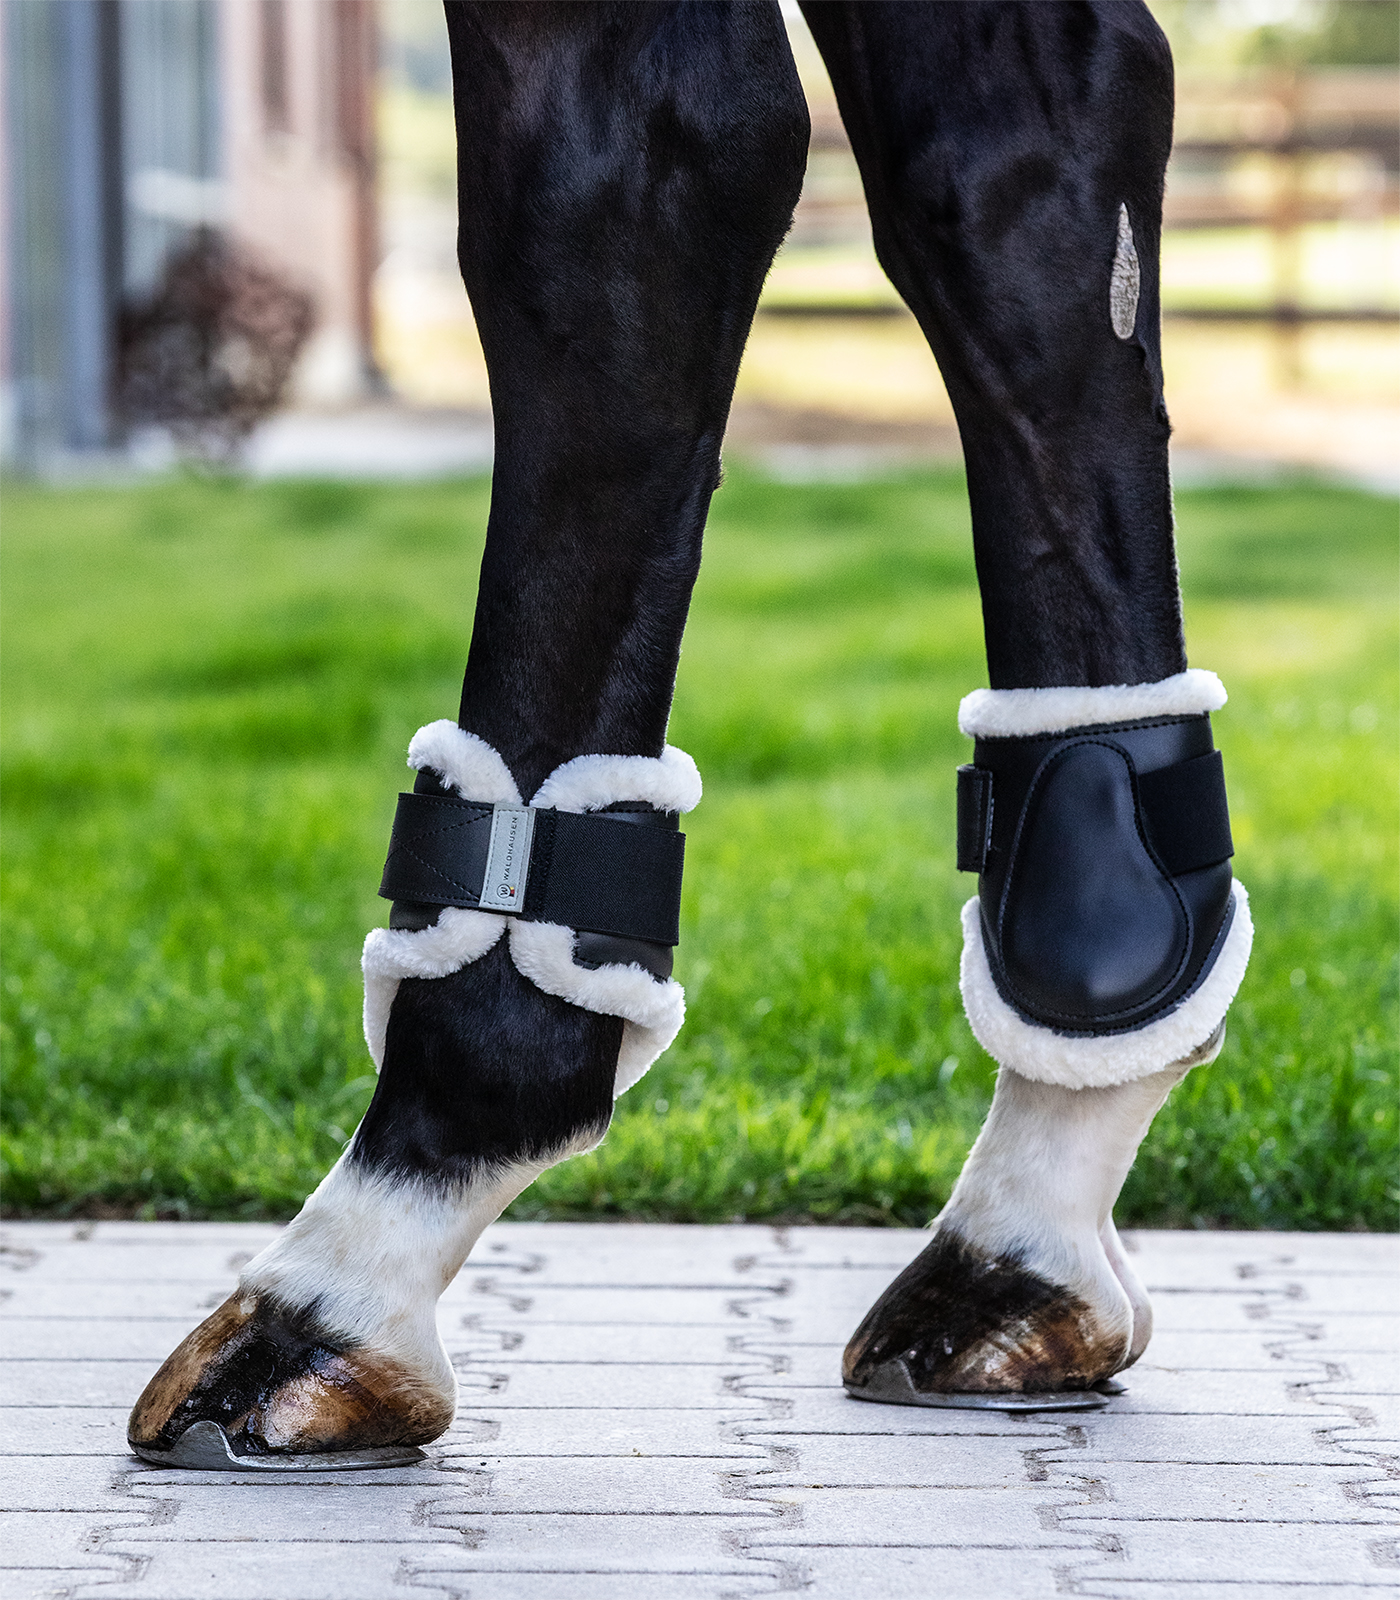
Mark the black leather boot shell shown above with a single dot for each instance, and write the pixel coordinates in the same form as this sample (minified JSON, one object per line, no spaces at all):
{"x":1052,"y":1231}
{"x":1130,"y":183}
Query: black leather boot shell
{"x":1103,"y":861}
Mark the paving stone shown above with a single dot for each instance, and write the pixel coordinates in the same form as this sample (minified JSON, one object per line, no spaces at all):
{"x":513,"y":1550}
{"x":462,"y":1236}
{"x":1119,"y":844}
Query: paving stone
{"x":922,"y":1462}
{"x":1140,"y":1589}
{"x":1006,"y":1517}
{"x":65,"y":1483}
{"x":598,"y":1253}
{"x":271,"y":1570}
{"x":863,"y":1249}
{"x":1252,"y":1493}
{"x":118,"y":1301}
{"x":1263,"y":1349}
{"x":73,"y":1383}
{"x":1380,"y":1411}
{"x":224,"y":1508}
{"x":600,"y":1345}
{"x":58,"y":1540}
{"x":105,"y":1235}
{"x":1337,"y":1297}
{"x":1363,"y":1251}
{"x":598,"y":1432}
{"x":555,"y":1384}
{"x":1234,"y":1552}
{"x":70,"y":1339}
{"x":170,"y":1263}
{"x":504,"y":1301}
{"x":51,"y":1583}
{"x":1198,"y":1441}
{"x":608,"y":1485}
{"x":63,"y":1431}
{"x":892,"y":1572}
{"x":832,"y":1410}
{"x":1227,"y":1394}
{"x":1362,"y":1372}
{"x":535,"y":1585}
{"x":660,"y":1543}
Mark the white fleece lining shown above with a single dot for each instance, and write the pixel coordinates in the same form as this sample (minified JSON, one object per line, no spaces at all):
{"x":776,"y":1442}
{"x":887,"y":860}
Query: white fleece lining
{"x":466,"y":763}
{"x":458,"y":937}
{"x":652,"y":1009}
{"x":1021,"y":713}
{"x":588,"y":783}
{"x":1098,"y":1063}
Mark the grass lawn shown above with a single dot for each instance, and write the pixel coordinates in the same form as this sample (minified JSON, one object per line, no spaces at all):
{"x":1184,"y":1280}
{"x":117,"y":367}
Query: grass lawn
{"x":208,"y":690}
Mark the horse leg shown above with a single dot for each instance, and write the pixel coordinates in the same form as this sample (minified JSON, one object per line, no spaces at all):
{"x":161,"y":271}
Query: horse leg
{"x":627,"y":172}
{"x":1013,"y":157}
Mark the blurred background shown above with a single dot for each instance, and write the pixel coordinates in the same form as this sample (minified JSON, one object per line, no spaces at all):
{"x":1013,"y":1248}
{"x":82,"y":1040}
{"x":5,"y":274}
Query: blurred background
{"x":313,"y":141}
{"x":246,"y":426}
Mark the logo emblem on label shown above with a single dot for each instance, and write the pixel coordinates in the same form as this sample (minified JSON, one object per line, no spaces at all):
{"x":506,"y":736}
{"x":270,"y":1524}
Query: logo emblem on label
{"x":508,"y":859}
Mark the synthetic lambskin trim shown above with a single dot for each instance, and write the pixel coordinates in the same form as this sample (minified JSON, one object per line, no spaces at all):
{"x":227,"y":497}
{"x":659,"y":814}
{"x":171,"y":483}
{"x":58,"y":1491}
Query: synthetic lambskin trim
{"x":1023,"y":713}
{"x":458,"y":937}
{"x":1099,"y":1063}
{"x":588,"y":783}
{"x":652,"y":1010}
{"x":467,"y":764}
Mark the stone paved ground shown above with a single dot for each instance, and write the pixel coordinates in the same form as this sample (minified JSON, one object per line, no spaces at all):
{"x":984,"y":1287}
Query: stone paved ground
{"x":654,"y":1412}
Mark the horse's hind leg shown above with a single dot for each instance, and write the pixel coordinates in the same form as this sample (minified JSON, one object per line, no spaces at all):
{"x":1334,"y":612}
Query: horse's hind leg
{"x":626,"y":174}
{"x":1013,"y":157}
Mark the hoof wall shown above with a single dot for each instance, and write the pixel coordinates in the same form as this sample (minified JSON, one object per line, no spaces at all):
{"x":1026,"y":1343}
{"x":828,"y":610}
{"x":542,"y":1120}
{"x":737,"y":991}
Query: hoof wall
{"x":891,"y":1385}
{"x":204,"y":1447}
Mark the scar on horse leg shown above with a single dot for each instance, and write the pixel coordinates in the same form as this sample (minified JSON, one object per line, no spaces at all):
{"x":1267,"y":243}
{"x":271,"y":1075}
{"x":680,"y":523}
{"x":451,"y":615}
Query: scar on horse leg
{"x":627,"y":172}
{"x":1016,"y":205}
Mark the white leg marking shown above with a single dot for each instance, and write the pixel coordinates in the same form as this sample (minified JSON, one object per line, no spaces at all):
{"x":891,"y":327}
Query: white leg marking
{"x":372,"y":1254}
{"x":1040,"y":1182}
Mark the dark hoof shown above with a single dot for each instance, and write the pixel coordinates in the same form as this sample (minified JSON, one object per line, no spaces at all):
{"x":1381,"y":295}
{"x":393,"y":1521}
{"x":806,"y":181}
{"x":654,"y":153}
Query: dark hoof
{"x":276,"y":1387}
{"x":891,"y":1385}
{"x":957,"y":1323}
{"x":204,"y":1447}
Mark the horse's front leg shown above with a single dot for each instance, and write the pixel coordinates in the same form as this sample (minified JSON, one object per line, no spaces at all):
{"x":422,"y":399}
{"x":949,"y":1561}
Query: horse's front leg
{"x":626,"y":173}
{"x":1013,"y":156}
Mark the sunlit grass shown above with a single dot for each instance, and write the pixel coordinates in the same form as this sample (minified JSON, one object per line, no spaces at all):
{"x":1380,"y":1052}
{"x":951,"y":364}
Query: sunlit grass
{"x":209,"y":686}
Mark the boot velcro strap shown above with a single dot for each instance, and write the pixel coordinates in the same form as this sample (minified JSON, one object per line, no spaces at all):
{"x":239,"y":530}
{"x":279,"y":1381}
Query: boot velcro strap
{"x":1183,"y":809}
{"x":593,"y":872}
{"x":974,"y":817}
{"x":1186,"y":814}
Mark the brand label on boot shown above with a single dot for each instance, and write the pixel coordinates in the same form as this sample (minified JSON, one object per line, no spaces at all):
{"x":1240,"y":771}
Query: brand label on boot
{"x":508,"y":860}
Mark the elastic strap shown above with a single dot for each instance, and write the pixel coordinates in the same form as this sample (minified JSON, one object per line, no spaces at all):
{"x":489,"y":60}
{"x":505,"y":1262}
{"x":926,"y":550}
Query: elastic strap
{"x":1186,"y":814}
{"x":1183,"y":809}
{"x":591,"y":872}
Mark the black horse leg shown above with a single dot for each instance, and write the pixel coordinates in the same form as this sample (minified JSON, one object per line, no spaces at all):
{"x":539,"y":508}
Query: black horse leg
{"x":1013,"y":156}
{"x":626,"y":173}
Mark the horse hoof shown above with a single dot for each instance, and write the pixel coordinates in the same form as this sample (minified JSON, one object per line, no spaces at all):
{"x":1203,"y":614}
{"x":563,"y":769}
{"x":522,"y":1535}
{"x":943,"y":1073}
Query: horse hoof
{"x":962,"y":1328}
{"x":259,"y":1385}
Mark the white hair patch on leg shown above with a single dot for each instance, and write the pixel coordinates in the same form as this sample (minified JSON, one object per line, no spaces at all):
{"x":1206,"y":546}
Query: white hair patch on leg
{"x":1125,"y":281}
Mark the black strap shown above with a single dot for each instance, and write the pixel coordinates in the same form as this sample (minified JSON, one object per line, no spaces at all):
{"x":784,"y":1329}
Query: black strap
{"x":592,"y":872}
{"x":1186,"y":814}
{"x":1184,"y":811}
{"x":437,"y":851}
{"x":974,"y":817}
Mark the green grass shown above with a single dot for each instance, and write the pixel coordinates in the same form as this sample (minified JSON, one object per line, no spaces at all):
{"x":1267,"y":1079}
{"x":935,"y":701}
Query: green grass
{"x":208,"y":690}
